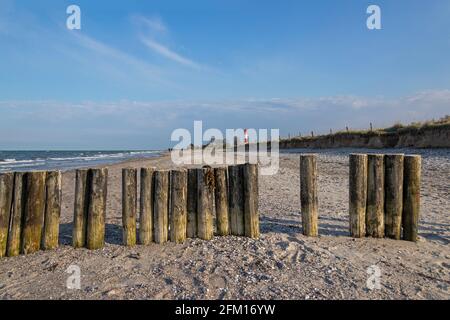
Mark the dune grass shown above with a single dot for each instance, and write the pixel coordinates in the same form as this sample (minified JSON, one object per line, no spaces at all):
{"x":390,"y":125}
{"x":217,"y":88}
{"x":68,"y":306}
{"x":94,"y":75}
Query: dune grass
{"x":397,"y":128}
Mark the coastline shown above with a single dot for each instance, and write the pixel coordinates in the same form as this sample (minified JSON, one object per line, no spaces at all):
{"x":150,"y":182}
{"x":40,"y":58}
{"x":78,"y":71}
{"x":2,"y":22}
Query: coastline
{"x":65,"y":160}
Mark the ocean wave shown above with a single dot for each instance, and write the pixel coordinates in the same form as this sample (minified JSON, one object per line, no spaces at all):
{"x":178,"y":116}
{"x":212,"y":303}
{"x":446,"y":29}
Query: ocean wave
{"x":93,"y":157}
{"x":18,"y":165}
{"x":14,"y":161}
{"x":82,"y":157}
{"x":144,"y":152}
{"x":66,"y":160}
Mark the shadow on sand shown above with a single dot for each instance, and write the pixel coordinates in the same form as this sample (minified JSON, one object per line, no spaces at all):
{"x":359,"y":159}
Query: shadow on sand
{"x":292,"y":227}
{"x":113,"y":234}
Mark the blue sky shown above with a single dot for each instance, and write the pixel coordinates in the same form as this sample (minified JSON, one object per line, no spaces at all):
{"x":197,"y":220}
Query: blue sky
{"x":137,"y":70}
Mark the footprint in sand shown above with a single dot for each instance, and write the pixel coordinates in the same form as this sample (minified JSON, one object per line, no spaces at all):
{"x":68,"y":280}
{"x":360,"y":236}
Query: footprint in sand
{"x":217,"y":286}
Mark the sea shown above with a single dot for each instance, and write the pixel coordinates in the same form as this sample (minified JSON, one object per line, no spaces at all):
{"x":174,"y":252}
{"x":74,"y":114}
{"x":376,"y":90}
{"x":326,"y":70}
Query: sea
{"x":65,"y":160}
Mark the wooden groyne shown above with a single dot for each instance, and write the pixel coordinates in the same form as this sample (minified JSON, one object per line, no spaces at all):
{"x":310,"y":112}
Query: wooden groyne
{"x":30,"y":208}
{"x":384,"y":195}
{"x":384,"y":201}
{"x":174,"y":205}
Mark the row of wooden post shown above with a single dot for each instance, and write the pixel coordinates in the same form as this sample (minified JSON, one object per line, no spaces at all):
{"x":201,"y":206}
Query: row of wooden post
{"x":384,"y":200}
{"x":384,"y":195}
{"x":183,"y":203}
{"x":30,"y":208}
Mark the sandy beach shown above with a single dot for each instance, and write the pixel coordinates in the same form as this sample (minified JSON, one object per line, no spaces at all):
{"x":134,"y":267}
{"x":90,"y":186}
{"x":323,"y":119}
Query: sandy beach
{"x":282,"y":264}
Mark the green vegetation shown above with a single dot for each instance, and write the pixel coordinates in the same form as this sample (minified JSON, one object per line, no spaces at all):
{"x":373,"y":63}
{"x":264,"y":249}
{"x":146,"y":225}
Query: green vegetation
{"x":396,"y":129}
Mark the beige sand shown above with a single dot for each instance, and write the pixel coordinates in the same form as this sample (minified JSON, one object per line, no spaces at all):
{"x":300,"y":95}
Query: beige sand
{"x":282,"y":264}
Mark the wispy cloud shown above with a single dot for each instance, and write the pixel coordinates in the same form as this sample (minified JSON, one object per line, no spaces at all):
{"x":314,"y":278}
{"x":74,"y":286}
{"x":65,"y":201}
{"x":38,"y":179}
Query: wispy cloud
{"x":154,"y":121}
{"x":426,"y":103}
{"x":107,"y":51}
{"x":115,"y":64}
{"x":90,"y":54}
{"x":169,"y":54}
{"x":154,"y":29}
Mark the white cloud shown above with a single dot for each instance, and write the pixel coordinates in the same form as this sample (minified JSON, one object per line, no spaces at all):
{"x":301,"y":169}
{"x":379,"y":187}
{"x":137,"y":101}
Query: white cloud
{"x":426,"y":104}
{"x":116,"y":63}
{"x":167,"y":53}
{"x":154,"y":24}
{"x":107,"y":51}
{"x":140,"y":124}
{"x":153,"y":30}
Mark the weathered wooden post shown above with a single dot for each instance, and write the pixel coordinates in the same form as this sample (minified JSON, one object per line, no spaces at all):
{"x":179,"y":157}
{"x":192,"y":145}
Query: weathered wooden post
{"x":309,"y":194}
{"x":236,"y":200}
{"x":80,"y":210}
{"x":95,"y":234}
{"x":357,"y":194}
{"x":52,"y":210}
{"x":146,"y":206}
{"x":129,"y":206}
{"x":411,"y":197}
{"x":161,"y":206}
{"x":15,"y":226}
{"x":393,"y":195}
{"x":178,"y":207}
{"x":6,"y":195}
{"x":251,"y":213}
{"x":192,"y":203}
{"x":221,"y":197}
{"x":205,"y":205}
{"x":34,"y":211}
{"x":247,"y":153}
{"x":375,"y":196}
